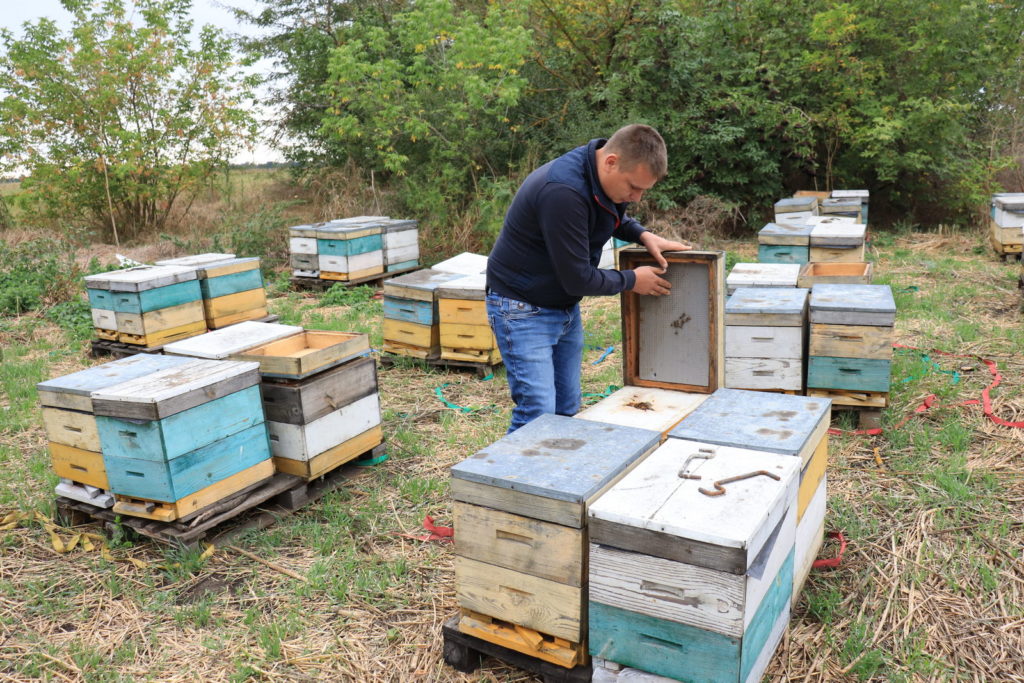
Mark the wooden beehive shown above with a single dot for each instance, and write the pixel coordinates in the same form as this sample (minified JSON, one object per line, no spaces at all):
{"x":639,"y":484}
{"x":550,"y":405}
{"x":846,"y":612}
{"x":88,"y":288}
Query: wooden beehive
{"x":793,"y":234}
{"x":764,"y":338}
{"x":761,"y":275}
{"x":301,"y":355}
{"x":676,"y":341}
{"x":411,"y":319}
{"x":350,"y":251}
{"x":401,"y":244}
{"x":464,"y":331}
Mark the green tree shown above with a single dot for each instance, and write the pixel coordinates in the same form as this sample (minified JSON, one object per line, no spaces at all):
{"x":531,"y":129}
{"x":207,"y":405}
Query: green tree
{"x":120,"y":121}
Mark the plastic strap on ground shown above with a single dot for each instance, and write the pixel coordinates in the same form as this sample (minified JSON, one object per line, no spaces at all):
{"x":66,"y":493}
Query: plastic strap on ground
{"x":439,"y":392}
{"x":370,"y":462}
{"x":604,"y":394}
{"x":604,"y":355}
{"x":832,"y":562}
{"x":442,"y":534}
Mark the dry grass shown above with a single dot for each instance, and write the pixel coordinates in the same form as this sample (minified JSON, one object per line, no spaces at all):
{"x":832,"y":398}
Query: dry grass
{"x":931,"y":587}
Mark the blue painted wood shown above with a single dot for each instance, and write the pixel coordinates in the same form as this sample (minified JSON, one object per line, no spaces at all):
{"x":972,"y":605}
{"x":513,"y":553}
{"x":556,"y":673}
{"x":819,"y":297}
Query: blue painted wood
{"x":181,"y":433}
{"x":682,"y":651}
{"x":410,"y":310}
{"x":101,"y":298}
{"x":762,"y":421}
{"x":231,"y":284}
{"x":155,"y":299}
{"x":414,"y":263}
{"x":618,"y":244}
{"x":342,"y":247}
{"x":84,"y":382}
{"x":171,"y":481}
{"x":767,"y":301}
{"x":779,"y":253}
{"x":558,"y":457}
{"x":854,"y":374}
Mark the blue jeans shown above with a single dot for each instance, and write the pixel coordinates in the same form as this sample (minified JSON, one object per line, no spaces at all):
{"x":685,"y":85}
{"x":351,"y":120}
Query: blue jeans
{"x":542,"y":349}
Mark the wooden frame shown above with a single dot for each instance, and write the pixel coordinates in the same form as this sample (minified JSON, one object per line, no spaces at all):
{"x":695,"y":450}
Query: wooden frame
{"x":699,"y":280}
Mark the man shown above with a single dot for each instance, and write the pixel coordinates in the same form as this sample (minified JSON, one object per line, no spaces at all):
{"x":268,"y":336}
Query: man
{"x":545,"y":261}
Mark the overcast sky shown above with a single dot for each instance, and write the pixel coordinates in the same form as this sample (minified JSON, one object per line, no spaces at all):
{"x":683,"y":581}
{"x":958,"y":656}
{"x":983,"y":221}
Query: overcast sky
{"x":14,"y":13}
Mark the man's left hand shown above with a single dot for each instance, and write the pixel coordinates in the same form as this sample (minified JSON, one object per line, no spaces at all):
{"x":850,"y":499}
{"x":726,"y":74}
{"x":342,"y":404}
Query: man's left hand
{"x":655,"y":245}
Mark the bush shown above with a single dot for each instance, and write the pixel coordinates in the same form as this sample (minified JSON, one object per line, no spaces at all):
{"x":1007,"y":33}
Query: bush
{"x":37,"y":273}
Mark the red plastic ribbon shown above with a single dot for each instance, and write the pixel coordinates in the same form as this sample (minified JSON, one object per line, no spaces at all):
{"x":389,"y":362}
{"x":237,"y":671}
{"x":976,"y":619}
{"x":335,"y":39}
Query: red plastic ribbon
{"x":832,"y":562}
{"x":443,"y":534}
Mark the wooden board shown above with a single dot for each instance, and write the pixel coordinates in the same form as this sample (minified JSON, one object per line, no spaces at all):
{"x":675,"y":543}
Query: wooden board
{"x":853,"y":305}
{"x":233,"y":304}
{"x":795,"y":234}
{"x":172,"y":480}
{"x":762,"y":275}
{"x":332,"y":458}
{"x":349,"y":246}
{"x":462,"y":311}
{"x":838,"y":235}
{"x":840,"y":205}
{"x":300,"y":355}
{"x":302,"y":245}
{"x":104,"y":319}
{"x":689,"y":594}
{"x":338,"y":231}
{"x":457,"y":336}
{"x":163,"y":336}
{"x":774,"y":253}
{"x":402,"y":267}
{"x":831,"y":219}
{"x":195,"y":260}
{"x":810,"y":477}
{"x":172,"y":390}
{"x":537,"y":645}
{"x":767,"y":307}
{"x":810,"y":534}
{"x":355,"y":275}
{"x":837,"y":254}
{"x":676,"y":341}
{"x":247,"y":266}
{"x":109,"y":335}
{"x":851,"y":374}
{"x":141,"y":278}
{"x":215,"y":492}
{"x":851,"y":341}
{"x":522,"y":544}
{"x":232,"y":283}
{"x":233,"y":319}
{"x":856,"y":399}
{"x":398,"y":237}
{"x":410,"y":310}
{"x":420,"y":285}
{"x":395,"y":255}
{"x":777,"y":423}
{"x":726,"y":533}
{"x":764,"y":373}
{"x":100,"y":298}
{"x":306,"y":441}
{"x":464,"y":263}
{"x":643,"y":407}
{"x":753,"y":341}
{"x":550,"y":468}
{"x":485,"y":357}
{"x":304,"y":261}
{"x":84,"y":493}
{"x":79,"y":465}
{"x":835,"y":273}
{"x":160,"y":320}
{"x":413,"y":334}
{"x":796,"y":204}
{"x":183,"y":432}
{"x":684,"y":652}
{"x":223,"y":343}
{"x":466,"y":288}
{"x":540,"y":604}
{"x":71,"y":428}
{"x":155,"y":299}
{"x":74,"y":391}
{"x":401,"y":349}
{"x":304,"y":401}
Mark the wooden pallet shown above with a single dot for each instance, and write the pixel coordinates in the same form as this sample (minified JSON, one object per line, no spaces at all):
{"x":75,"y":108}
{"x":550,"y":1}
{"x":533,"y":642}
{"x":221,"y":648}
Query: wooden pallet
{"x":867,"y":404}
{"x":118,"y":349}
{"x":521,"y":639}
{"x":257,"y":507}
{"x":482,"y":369}
{"x":319,"y":284}
{"x":464,"y":652}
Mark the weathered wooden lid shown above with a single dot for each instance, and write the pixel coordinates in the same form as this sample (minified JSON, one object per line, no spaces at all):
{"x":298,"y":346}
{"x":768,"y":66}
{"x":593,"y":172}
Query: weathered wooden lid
{"x":426,"y":280}
{"x":785,"y":229}
{"x":763,"y":275}
{"x":343,"y":230}
{"x":655,"y":496}
{"x":762,"y":421}
{"x":398,"y":224}
{"x":1009,"y":201}
{"x":762,"y":301}
{"x":471,"y":287}
{"x":141,"y":278}
{"x":795,"y":204}
{"x":832,"y":218}
{"x":846,"y":299}
{"x":84,"y":382}
{"x":643,"y":407}
{"x":834,"y":204}
{"x":196,"y":260}
{"x":306,"y":230}
{"x":863,"y":195}
{"x":220,"y":344}
{"x":557,"y":457}
{"x":465,"y":263}
{"x":838,"y":234}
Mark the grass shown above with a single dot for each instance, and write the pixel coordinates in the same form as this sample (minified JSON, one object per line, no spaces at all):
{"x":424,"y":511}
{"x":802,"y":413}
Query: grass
{"x":929,"y":588}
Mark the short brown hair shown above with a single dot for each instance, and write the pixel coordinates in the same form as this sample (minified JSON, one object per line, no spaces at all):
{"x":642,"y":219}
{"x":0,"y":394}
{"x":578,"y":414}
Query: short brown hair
{"x":637,"y":143}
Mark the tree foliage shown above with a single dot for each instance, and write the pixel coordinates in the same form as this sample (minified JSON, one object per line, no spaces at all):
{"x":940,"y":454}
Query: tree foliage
{"x":119,"y":121}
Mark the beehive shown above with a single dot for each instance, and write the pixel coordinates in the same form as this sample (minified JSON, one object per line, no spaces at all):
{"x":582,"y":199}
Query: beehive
{"x":764,"y":338}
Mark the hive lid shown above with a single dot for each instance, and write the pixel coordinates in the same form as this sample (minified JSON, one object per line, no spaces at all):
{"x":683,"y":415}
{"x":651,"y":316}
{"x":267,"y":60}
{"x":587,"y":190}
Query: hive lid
{"x":840,"y":299}
{"x":767,"y":301}
{"x":81,"y":384}
{"x":465,"y":263}
{"x":141,"y":278}
{"x":195,"y":260}
{"x":220,"y":344}
{"x":796,"y":204}
{"x":471,"y":287}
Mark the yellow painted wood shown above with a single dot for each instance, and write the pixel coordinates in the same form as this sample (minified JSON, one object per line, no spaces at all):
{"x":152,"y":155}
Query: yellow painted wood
{"x":522,"y":544}
{"x":851,"y":341}
{"x":521,"y":639}
{"x":303,"y":353}
{"x":167,"y":512}
{"x":833,"y":255}
{"x":546,"y":606}
{"x":1008,"y":237}
{"x":160,"y":338}
{"x":232,"y":304}
{"x":333,"y":457}
{"x":490,"y":357}
{"x":460,"y":336}
{"x":354,"y":275}
{"x":161,"y":319}
{"x":462,"y":311}
{"x":811,"y":476}
{"x":228,"y":320}
{"x":72,"y":428}
{"x":411,"y":351}
{"x":867,"y":399}
{"x":109,"y":335}
{"x":230,"y":268}
{"x":79,"y":465}
{"x":854,"y":273}
{"x":404,"y":332}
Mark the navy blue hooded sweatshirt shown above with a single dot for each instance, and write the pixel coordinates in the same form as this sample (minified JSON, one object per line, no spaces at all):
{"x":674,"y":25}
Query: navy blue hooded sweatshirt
{"x":550,"y":245}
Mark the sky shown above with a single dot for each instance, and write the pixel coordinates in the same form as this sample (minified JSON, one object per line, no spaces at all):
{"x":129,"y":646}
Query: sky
{"x":14,"y":13}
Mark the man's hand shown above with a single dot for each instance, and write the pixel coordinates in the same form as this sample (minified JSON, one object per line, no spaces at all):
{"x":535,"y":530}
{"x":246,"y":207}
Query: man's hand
{"x":655,"y":245}
{"x":648,"y":282}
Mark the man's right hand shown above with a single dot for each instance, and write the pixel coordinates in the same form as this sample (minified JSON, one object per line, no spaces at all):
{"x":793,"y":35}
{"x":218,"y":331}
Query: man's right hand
{"x":648,"y":282}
